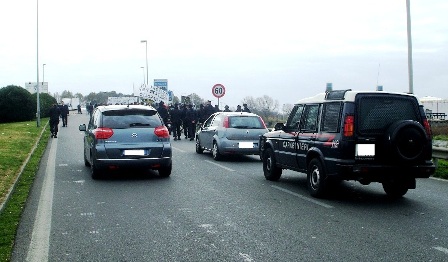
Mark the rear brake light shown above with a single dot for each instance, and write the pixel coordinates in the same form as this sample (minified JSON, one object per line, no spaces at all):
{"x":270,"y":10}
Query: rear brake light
{"x":427,"y":128}
{"x":162,"y":132}
{"x":103,"y":133}
{"x":349,"y":126}
{"x":225,"y":123}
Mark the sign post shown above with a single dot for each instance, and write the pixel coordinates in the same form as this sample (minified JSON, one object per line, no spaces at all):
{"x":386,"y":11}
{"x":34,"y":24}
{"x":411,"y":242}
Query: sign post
{"x":218,"y":91}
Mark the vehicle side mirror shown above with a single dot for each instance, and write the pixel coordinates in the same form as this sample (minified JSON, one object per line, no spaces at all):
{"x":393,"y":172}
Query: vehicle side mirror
{"x":82,"y":127}
{"x":279,"y":126}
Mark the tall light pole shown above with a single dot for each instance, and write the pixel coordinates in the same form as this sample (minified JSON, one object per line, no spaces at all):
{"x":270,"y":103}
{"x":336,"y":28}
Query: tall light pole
{"x":142,"y":67}
{"x":146,"y":44}
{"x":43,"y":73}
{"x":410,"y":70}
{"x":37,"y":59}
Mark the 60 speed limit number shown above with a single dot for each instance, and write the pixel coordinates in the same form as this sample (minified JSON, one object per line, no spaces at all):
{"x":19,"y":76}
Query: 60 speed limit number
{"x":218,"y":90}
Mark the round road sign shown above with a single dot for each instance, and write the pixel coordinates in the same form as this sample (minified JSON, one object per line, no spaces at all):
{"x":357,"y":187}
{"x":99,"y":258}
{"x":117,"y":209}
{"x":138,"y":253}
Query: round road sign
{"x":218,"y":90}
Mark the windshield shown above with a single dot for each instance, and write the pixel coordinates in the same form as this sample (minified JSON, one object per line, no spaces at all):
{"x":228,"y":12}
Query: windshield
{"x":131,"y":118}
{"x":253,"y":122}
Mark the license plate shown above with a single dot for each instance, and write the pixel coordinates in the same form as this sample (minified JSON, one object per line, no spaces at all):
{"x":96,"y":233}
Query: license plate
{"x":365,"y":150}
{"x":134,"y":152}
{"x":246,"y":145}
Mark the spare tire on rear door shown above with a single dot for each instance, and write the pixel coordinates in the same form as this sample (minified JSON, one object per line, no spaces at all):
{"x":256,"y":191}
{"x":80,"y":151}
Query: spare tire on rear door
{"x":406,"y":140}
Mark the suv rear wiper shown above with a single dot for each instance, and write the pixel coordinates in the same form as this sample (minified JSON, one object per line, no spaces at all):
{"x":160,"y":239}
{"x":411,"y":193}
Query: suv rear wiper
{"x":138,"y":124}
{"x":241,"y":127}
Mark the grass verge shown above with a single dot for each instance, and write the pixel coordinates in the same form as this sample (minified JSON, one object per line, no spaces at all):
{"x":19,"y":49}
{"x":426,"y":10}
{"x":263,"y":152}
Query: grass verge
{"x":17,"y":140}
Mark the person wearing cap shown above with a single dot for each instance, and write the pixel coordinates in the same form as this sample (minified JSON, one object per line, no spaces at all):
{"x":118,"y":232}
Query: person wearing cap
{"x":238,"y":109}
{"x":226,"y":109}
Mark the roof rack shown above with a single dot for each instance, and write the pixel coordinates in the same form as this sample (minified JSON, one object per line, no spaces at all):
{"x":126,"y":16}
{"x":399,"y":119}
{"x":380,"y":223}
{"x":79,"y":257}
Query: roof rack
{"x":336,"y":94}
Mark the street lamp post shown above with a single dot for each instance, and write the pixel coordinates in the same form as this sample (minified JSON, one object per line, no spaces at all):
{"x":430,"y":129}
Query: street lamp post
{"x":146,"y":44}
{"x":43,"y":73}
{"x":37,"y":59}
{"x":142,"y":67}
{"x":410,"y":67}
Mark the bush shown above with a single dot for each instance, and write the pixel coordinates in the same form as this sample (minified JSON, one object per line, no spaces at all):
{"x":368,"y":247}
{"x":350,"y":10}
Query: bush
{"x":16,"y":105}
{"x":46,"y":101}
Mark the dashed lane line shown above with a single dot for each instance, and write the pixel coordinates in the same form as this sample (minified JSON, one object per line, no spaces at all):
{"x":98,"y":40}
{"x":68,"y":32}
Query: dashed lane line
{"x":221,"y":166}
{"x":317,"y":202}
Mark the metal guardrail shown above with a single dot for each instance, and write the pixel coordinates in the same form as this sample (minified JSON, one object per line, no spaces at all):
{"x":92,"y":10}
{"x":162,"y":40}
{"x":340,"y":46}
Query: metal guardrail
{"x":439,"y":152}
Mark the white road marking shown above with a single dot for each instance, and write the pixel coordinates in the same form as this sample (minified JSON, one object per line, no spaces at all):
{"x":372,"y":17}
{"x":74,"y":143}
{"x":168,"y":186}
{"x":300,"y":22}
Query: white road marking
{"x":221,"y":166}
{"x":246,"y":257}
{"x":40,"y":238}
{"x":178,"y":149}
{"x":303,"y":197}
{"x":443,"y":249}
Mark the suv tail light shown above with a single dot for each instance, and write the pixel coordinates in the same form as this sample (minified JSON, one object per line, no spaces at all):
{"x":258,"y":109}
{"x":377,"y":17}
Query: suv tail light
{"x":225,"y":123}
{"x":161,"y":132}
{"x":427,"y":128}
{"x":103,"y":133}
{"x":349,"y":125}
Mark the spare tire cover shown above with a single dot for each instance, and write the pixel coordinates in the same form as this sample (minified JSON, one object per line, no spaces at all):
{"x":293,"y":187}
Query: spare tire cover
{"x":406,"y":139}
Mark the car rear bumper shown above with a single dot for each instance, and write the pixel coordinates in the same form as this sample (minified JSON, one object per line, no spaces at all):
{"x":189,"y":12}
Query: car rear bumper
{"x":140,"y":163}
{"x":235,"y":147}
{"x":381,"y":172}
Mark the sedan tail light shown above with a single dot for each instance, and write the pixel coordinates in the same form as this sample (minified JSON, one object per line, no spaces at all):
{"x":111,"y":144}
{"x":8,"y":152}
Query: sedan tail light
{"x":225,"y":123}
{"x":162,"y":132}
{"x":427,"y":128}
{"x":103,"y":133}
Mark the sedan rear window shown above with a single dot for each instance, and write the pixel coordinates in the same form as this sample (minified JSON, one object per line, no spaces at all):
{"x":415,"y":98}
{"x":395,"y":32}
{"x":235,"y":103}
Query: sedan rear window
{"x":131,"y":118}
{"x":253,"y":122}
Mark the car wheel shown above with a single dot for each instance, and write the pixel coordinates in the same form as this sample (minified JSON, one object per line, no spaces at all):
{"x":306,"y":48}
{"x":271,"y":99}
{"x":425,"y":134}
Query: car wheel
{"x":395,"y":189}
{"x":316,"y":178}
{"x":215,"y":152}
{"x":270,"y":169}
{"x":199,"y":149}
{"x":95,"y":172}
{"x":165,"y":171}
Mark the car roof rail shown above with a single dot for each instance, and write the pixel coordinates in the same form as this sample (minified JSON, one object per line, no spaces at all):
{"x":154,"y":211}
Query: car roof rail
{"x":336,"y":94}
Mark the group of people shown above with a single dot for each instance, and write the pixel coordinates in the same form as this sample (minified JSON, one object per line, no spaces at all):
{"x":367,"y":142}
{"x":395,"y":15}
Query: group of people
{"x":57,"y":112}
{"x":186,"y":117}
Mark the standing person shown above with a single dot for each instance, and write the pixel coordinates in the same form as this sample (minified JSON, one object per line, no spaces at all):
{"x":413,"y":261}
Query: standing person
{"x":163,"y":112}
{"x":226,"y":109}
{"x":64,"y":113}
{"x":89,"y":108}
{"x":208,"y":109}
{"x":55,"y":113}
{"x":176,"y":121}
{"x":79,"y":109}
{"x":245,"y":108}
{"x":184,"y":119}
{"x":190,"y":117}
{"x":201,"y":114}
{"x":238,"y":109}
{"x":217,"y":109}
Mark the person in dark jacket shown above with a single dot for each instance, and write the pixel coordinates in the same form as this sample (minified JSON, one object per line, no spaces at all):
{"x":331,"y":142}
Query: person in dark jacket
{"x":226,"y":109}
{"x":55,"y":113}
{"x":238,"y":109}
{"x":245,"y":108}
{"x":190,"y":117}
{"x":163,"y":112}
{"x":64,"y":113}
{"x":208,"y":109}
{"x":176,"y":121}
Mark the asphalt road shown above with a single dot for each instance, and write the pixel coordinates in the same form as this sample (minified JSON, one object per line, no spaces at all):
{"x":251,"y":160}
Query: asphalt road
{"x":219,"y":211}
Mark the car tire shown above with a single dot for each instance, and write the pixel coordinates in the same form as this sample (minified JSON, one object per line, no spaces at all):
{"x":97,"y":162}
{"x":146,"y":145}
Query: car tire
{"x":316,"y":178}
{"x":270,"y":169}
{"x":165,"y":171}
{"x":199,"y":149}
{"x":395,"y":189}
{"x":215,"y":152}
{"x":406,"y":140}
{"x":95,"y":172}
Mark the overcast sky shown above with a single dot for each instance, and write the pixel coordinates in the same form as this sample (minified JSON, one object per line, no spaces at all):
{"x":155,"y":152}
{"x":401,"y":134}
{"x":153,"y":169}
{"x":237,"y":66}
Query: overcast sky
{"x":284,"y":49}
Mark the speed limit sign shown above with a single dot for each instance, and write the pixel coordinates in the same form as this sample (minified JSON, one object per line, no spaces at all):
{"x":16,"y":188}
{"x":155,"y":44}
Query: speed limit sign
{"x":218,"y":90}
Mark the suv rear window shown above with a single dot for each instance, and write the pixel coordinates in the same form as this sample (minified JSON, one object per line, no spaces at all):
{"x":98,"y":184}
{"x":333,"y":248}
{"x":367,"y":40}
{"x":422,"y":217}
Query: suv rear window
{"x":377,"y":113}
{"x":245,"y":122}
{"x":131,"y":118}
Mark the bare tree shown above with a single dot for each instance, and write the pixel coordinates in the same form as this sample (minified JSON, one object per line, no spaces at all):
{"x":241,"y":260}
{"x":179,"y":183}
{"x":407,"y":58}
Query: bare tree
{"x":264,"y":106}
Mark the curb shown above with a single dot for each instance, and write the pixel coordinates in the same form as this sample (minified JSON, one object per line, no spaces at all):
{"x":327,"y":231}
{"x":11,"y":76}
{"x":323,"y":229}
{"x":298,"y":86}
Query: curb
{"x":13,"y":187}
